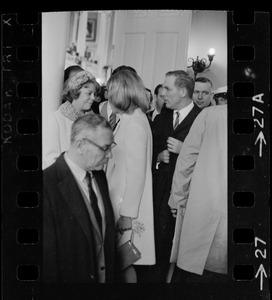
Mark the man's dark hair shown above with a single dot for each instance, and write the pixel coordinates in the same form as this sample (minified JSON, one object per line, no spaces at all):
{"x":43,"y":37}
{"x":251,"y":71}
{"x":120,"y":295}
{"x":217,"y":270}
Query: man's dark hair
{"x":204,"y":80}
{"x":156,"y":91}
{"x":183,"y":80}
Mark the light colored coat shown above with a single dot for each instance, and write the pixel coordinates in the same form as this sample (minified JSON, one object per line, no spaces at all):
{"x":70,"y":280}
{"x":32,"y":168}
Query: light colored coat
{"x":56,"y":137}
{"x":130,"y":180}
{"x":199,"y":191}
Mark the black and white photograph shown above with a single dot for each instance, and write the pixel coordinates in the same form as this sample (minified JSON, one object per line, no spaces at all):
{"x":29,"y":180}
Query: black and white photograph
{"x":162,"y":75}
{"x":140,"y":189}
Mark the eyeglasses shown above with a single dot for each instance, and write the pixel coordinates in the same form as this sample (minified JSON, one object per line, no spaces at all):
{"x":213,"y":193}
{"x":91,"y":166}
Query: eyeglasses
{"x":104,"y":149}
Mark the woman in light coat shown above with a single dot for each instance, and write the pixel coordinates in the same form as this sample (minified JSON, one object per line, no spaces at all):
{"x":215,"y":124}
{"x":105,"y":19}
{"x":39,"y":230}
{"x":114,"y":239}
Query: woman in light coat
{"x":199,"y":192}
{"x":129,"y":171}
{"x":79,"y":94}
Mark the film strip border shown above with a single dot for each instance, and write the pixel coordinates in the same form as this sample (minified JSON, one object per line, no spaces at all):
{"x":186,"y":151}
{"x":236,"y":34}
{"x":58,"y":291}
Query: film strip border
{"x":249,"y":162}
{"x":248,"y":172}
{"x":21,"y":157}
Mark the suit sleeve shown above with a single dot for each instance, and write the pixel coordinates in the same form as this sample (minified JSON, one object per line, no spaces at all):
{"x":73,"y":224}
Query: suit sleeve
{"x":51,"y":141}
{"x":136,"y":140}
{"x":157,"y":140}
{"x":186,"y":163}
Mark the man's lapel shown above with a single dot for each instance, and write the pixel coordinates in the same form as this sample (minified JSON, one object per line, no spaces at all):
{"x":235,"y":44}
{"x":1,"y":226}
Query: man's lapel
{"x":73,"y":196}
{"x":92,"y":216}
{"x":188,"y":119}
{"x":168,"y":124}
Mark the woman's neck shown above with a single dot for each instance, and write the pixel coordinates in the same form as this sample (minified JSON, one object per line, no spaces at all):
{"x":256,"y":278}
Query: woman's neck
{"x":76,"y":108}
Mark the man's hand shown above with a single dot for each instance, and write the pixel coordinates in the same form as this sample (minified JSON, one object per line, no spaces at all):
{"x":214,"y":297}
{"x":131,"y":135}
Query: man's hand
{"x":164,"y":156}
{"x":174,"y":145}
{"x":174,"y":212}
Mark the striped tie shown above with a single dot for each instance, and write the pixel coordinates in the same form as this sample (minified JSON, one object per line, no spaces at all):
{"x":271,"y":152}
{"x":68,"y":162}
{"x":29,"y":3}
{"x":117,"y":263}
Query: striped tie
{"x":112,"y":120}
{"x":93,"y":200}
{"x":177,"y":120}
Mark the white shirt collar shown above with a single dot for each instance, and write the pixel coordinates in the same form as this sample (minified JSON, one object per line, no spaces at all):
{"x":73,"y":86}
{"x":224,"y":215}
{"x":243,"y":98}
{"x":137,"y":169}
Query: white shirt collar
{"x":184,"y":111}
{"x":109,"y":109}
{"x":78,"y":172}
{"x":154,"y":114}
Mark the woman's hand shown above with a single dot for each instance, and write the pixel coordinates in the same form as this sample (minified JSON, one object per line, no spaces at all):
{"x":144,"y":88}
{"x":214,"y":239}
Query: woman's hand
{"x":124,"y":224}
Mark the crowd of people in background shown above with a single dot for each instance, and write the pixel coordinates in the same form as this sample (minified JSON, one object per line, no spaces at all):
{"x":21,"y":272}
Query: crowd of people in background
{"x":135,"y":181}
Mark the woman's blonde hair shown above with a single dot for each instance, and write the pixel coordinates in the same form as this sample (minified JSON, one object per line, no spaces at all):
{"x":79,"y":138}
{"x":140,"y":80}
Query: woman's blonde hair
{"x":126,"y":92}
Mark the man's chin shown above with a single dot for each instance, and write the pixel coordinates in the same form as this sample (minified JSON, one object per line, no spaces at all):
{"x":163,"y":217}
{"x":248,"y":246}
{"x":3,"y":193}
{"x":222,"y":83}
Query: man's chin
{"x":100,"y":166}
{"x":200,"y":105}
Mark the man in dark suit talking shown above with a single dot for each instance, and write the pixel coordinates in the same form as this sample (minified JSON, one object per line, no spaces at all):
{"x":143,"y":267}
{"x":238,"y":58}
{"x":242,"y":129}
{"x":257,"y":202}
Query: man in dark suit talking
{"x":170,"y":129}
{"x":78,"y":221}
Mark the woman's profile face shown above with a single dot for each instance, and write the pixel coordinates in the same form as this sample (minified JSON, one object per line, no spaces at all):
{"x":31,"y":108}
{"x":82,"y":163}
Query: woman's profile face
{"x":86,"y":97}
{"x":159,"y":99}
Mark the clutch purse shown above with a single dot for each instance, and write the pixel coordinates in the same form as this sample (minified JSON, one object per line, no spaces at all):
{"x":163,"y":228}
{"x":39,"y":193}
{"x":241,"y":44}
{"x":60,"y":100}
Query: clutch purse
{"x":127,"y":254}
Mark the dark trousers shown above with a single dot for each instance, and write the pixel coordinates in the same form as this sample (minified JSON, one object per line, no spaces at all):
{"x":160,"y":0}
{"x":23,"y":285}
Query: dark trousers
{"x":210,"y":285}
{"x":182,"y":276}
{"x":164,"y":226}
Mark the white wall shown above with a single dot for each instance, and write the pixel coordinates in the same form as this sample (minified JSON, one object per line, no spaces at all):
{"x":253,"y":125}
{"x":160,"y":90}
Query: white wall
{"x":209,"y":30}
{"x":55,"y":27}
{"x":152,"y":42}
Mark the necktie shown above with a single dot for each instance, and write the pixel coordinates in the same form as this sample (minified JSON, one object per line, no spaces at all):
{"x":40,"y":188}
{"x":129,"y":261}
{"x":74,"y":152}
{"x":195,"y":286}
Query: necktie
{"x":177,"y":120}
{"x":112,"y":120}
{"x":93,"y":200}
{"x":115,"y":125}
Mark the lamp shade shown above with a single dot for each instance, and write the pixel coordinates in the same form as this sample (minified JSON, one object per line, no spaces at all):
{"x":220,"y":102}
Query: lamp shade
{"x":211,"y":51}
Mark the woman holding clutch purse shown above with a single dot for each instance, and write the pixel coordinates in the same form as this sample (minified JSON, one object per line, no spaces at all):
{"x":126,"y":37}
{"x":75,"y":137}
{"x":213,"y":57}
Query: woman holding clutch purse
{"x":129,"y":173}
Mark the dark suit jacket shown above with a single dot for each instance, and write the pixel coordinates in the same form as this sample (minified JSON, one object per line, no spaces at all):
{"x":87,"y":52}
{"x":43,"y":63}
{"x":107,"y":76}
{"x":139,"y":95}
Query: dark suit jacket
{"x":68,"y":237}
{"x":162,"y":129}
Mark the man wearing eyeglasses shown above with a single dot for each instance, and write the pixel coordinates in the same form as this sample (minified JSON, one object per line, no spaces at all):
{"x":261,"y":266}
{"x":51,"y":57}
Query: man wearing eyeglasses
{"x":78,"y":221}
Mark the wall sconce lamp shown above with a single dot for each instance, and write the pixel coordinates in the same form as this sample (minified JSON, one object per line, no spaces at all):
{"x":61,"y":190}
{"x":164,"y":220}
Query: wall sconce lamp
{"x":200,"y":65}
